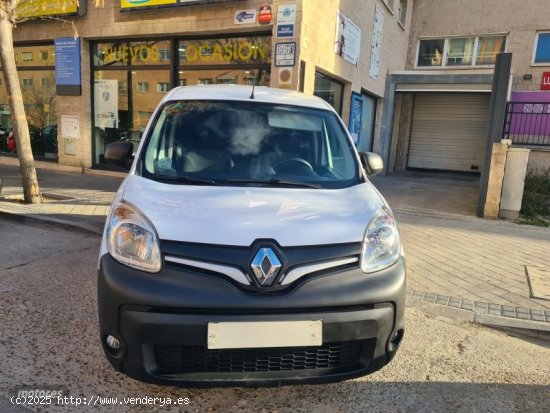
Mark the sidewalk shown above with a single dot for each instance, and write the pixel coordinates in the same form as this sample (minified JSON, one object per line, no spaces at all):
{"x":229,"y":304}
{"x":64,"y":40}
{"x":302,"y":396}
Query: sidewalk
{"x":468,"y":267}
{"x":77,"y":199}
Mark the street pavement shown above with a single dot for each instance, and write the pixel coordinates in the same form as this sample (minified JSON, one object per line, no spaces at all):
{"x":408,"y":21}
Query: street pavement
{"x":50,"y":339}
{"x":466,"y":267}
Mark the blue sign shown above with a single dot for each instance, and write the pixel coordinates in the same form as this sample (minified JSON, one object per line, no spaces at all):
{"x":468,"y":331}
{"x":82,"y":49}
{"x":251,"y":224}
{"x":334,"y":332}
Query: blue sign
{"x":68,"y":79}
{"x":285,"y":30}
{"x":355,"y":114}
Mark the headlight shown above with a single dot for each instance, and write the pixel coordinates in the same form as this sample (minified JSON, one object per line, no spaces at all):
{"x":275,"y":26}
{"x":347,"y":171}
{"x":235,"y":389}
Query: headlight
{"x":381,"y":244}
{"x":132,"y":239}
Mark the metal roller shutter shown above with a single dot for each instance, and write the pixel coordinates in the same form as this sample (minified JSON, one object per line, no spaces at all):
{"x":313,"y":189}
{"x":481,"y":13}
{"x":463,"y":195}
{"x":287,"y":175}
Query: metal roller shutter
{"x":449,"y":131}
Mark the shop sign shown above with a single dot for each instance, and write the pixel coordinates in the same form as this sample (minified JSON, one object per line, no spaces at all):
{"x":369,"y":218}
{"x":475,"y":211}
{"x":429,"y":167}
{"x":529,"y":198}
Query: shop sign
{"x":40,"y":8}
{"x":245,"y":16}
{"x":225,"y":51}
{"x":285,"y":54}
{"x":348,"y":39}
{"x":265,"y":15}
{"x":67,"y":66}
{"x":136,"y":53}
{"x":286,"y":20}
{"x":209,"y":51}
{"x":138,"y":4}
{"x":545,"y":81}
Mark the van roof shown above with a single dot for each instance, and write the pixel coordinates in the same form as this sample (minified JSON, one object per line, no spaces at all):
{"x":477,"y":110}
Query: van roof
{"x":242,"y":93}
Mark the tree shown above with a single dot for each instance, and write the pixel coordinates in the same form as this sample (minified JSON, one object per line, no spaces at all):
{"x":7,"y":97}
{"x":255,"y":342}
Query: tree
{"x":29,"y":180}
{"x":13,"y":12}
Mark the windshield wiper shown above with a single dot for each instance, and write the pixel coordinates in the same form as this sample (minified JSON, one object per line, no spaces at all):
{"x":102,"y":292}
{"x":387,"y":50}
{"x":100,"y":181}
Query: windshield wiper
{"x":184,"y":179}
{"x":276,"y":182}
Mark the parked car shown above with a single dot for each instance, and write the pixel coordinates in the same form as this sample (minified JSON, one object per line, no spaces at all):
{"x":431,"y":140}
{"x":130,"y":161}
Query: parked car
{"x":43,"y":140}
{"x":3,"y":139}
{"x":247,"y":246}
{"x":49,"y":139}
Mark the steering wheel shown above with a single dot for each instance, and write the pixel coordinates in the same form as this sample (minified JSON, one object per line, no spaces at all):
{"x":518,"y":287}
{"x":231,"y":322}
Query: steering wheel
{"x":288,"y":163}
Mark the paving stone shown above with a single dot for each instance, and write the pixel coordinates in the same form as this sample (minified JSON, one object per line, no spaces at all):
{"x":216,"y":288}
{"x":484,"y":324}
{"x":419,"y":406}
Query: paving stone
{"x":442,"y":299}
{"x":538,"y":317}
{"x":494,"y":311}
{"x":481,"y":304}
{"x":454,"y":302}
{"x":430,"y":298}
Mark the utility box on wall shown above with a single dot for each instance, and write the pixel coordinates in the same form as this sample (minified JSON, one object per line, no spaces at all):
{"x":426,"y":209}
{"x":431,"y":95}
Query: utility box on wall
{"x":70,"y":132}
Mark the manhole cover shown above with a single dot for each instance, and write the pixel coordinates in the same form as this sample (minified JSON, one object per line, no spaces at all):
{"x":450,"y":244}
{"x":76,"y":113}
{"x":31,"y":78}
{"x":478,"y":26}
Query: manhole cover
{"x":539,"y":282}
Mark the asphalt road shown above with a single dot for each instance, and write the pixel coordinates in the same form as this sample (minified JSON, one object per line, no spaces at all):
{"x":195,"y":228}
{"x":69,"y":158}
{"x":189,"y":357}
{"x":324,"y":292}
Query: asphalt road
{"x":49,"y":339}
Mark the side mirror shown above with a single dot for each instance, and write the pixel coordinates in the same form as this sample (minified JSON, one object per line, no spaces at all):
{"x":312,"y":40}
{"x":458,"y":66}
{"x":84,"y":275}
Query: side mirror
{"x":372,"y":163}
{"x":120,"y":154}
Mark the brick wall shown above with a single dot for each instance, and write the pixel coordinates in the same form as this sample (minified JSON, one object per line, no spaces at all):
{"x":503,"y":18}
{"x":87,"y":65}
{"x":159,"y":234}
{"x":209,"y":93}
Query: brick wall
{"x":317,"y":46}
{"x":519,"y":19}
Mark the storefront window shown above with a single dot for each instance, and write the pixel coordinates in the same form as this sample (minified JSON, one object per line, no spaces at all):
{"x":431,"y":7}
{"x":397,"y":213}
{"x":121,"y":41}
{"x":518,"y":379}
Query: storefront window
{"x":39,"y":99}
{"x":123,"y":116}
{"x":224,"y":77}
{"x":130,"y":78}
{"x":330,"y":90}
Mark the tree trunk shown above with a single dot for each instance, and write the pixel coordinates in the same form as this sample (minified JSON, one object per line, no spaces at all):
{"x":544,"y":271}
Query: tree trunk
{"x":29,"y":180}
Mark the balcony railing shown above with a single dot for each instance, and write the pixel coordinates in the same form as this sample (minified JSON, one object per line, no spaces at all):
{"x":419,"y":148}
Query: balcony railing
{"x":527,"y":123}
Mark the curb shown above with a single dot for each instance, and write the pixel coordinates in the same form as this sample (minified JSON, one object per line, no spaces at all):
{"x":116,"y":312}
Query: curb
{"x":55,"y":167}
{"x":530,"y":328}
{"x":64,"y":223}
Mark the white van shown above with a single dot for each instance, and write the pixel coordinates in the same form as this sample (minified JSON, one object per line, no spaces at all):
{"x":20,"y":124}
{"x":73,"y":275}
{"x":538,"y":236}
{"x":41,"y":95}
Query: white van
{"x":248,"y":247}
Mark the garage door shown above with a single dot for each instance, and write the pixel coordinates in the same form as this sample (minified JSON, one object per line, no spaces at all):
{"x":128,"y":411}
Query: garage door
{"x":449,"y":131}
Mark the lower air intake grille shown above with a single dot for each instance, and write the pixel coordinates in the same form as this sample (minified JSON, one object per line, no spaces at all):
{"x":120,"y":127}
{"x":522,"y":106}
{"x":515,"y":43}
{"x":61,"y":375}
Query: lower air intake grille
{"x":197,"y":359}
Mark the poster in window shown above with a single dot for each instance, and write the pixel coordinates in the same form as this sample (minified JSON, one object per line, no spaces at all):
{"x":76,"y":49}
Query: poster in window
{"x":355,"y":113}
{"x":347,"y":43}
{"x":106,"y":103}
{"x":376,"y":46}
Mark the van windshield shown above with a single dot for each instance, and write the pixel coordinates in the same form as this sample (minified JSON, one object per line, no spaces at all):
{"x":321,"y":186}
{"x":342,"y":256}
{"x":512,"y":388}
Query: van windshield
{"x":249,"y":143}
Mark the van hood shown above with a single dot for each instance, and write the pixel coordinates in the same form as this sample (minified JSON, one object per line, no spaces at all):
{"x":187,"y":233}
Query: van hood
{"x":240,"y":215}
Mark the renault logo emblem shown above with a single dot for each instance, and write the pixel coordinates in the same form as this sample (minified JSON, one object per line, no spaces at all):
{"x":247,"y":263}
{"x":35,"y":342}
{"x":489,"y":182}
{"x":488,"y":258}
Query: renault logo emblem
{"x":265,"y":266}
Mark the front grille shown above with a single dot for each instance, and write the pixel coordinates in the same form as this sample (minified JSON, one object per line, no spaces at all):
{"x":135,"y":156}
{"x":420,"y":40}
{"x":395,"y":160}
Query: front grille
{"x":173,"y":359}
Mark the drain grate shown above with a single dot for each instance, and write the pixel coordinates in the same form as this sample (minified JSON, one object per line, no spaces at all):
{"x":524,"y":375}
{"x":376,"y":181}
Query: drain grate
{"x":539,"y":282}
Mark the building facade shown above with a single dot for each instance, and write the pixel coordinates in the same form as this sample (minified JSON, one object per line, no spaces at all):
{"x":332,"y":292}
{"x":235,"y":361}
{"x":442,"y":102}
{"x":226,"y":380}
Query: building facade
{"x":130,"y":54}
{"x":441,"y":116}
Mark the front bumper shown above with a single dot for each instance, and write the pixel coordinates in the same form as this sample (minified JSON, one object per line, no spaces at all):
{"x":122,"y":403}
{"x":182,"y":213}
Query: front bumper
{"x":161,"y":321}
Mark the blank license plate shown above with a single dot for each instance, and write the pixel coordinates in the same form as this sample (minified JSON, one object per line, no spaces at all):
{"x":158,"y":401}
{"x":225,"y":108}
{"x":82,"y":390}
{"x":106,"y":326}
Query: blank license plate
{"x":265,"y":334}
